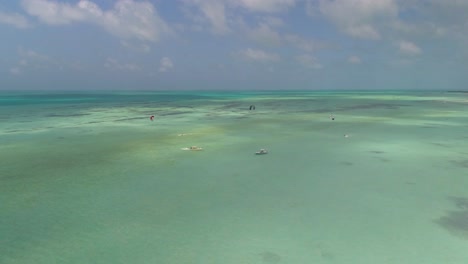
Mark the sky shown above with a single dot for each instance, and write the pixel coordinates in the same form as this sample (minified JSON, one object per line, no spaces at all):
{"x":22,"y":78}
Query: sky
{"x":233,"y":44}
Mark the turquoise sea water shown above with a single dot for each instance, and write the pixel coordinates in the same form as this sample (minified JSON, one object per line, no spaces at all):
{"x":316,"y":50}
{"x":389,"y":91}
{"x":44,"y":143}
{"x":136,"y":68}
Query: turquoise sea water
{"x":88,"y":178}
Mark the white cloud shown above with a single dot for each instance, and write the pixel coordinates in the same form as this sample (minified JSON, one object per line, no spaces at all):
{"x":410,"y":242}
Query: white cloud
{"x":309,"y":61}
{"x":31,"y":55}
{"x":409,"y":48}
{"x":216,"y":12}
{"x":264,"y":34}
{"x":268,"y":6}
{"x":359,"y":18}
{"x":401,"y":62}
{"x":127,"y":19}
{"x":15,"y":20}
{"x":303,"y":44}
{"x":213,"y":11}
{"x":55,"y":13}
{"x":436,"y":18}
{"x":136,"y":46}
{"x":311,"y":8}
{"x":166,"y":64}
{"x":411,"y":28}
{"x":447,"y":10}
{"x":273,"y":21}
{"x":29,"y":59}
{"x":258,"y":55}
{"x":15,"y":70}
{"x":113,"y":64}
{"x":33,"y":59}
{"x":354,"y":59}
{"x":365,"y":31}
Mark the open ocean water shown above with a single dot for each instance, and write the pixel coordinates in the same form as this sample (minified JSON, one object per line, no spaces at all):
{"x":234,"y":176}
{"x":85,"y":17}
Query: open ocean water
{"x":89,"y":178}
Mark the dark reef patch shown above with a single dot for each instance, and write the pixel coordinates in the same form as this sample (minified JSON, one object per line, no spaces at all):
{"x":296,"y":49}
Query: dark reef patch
{"x":456,"y":221}
{"x":382,"y":159}
{"x":441,"y":144}
{"x":270,"y":257}
{"x":129,"y":118}
{"x":65,"y":115}
{"x":175,"y":113}
{"x":460,"y":163}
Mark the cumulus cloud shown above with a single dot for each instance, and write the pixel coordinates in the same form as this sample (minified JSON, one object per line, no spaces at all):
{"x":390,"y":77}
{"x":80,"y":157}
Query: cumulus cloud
{"x":166,"y":64}
{"x":212,"y":11}
{"x":15,"y":70}
{"x":258,"y":55}
{"x":264,"y":34}
{"x":269,"y":6}
{"x":136,"y":46}
{"x":394,"y":19}
{"x":54,"y":13}
{"x":359,"y":18}
{"x":409,"y":48}
{"x":15,"y":20}
{"x":273,"y":21}
{"x":216,"y":12}
{"x":30,"y":59}
{"x":311,"y":8}
{"x":309,"y":61}
{"x":127,"y":18}
{"x":437,"y":18}
{"x":27,"y":54}
{"x":451,"y":11}
{"x":354,"y":59}
{"x":268,"y":33}
{"x":113,"y":64}
{"x":303,"y":44}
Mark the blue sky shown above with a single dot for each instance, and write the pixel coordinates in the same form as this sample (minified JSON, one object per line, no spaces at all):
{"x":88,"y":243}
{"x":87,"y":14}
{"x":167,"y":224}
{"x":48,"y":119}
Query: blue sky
{"x":234,"y":44}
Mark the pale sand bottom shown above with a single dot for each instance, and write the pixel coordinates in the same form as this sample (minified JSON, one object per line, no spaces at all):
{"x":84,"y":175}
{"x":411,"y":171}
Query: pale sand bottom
{"x":392,"y":192}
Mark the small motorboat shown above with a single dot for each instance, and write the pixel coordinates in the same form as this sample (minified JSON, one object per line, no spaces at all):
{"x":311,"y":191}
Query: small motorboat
{"x":261,"y":152}
{"x":193,"y":148}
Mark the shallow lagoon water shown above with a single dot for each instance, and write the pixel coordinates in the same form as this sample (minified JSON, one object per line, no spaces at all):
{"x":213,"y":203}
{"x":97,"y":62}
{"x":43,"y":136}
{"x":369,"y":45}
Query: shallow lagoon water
{"x":88,"y":178}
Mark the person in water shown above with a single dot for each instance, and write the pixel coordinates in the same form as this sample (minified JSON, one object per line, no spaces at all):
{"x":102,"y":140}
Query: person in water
{"x":332,"y":117}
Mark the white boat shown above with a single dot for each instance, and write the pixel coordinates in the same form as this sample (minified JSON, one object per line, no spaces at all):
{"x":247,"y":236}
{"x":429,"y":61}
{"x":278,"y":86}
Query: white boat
{"x":194,"y":148}
{"x":261,"y":152}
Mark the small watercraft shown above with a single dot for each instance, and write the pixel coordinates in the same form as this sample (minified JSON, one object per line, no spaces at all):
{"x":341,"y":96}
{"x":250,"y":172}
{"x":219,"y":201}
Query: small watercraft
{"x":194,"y":148}
{"x":261,"y":152}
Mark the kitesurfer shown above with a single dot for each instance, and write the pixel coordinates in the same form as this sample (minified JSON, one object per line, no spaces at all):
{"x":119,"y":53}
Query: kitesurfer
{"x":152,"y":117}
